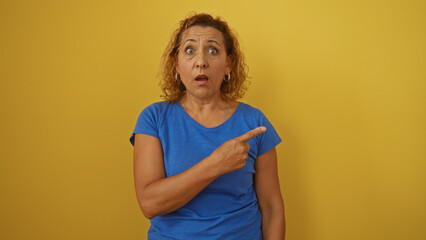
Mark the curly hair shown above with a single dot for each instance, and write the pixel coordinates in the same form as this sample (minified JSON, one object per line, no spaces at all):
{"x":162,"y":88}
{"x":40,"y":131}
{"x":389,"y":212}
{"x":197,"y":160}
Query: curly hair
{"x":233,"y":89}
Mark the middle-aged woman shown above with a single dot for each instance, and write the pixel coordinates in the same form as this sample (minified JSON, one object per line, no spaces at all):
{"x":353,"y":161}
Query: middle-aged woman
{"x":205,"y":164}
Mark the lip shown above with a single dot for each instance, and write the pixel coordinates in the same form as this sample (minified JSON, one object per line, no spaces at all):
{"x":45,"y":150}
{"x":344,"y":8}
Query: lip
{"x":202,"y":83}
{"x":202,"y":75}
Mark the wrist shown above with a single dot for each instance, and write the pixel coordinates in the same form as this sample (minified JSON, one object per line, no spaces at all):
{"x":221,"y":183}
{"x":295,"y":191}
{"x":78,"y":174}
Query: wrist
{"x":211,"y":167}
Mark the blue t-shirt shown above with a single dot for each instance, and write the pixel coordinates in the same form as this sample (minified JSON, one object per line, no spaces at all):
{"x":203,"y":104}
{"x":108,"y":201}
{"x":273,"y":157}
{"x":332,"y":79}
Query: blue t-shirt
{"x":225,"y":209}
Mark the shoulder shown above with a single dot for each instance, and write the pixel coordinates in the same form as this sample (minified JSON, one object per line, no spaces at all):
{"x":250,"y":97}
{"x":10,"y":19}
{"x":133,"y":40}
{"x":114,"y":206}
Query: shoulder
{"x":155,"y":111}
{"x":250,"y":113}
{"x":157,"y":108}
{"x":249,"y":109}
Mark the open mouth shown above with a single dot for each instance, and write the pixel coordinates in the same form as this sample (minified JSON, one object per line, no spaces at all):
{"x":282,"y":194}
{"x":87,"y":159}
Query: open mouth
{"x":201,"y":77}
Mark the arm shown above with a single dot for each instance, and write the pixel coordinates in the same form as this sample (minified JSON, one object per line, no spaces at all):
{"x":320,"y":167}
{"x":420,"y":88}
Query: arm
{"x":157,"y":194}
{"x":268,"y":192}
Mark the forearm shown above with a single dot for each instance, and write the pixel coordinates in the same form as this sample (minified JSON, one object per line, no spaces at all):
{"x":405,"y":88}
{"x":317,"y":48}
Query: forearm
{"x":273,"y":224}
{"x":168,"y":194}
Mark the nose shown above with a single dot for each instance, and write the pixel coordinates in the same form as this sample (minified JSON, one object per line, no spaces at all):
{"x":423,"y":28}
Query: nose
{"x":201,"y":61}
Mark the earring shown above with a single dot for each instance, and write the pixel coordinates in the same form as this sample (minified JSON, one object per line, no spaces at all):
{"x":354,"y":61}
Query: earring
{"x":176,"y":77}
{"x":227,"y":77}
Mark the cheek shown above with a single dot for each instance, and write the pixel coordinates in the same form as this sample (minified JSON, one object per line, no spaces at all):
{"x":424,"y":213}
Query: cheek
{"x":184,"y":64}
{"x":219,"y":65}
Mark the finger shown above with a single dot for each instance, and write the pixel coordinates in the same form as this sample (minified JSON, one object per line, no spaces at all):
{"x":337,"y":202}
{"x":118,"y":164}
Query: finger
{"x":251,"y":134}
{"x":247,"y":147}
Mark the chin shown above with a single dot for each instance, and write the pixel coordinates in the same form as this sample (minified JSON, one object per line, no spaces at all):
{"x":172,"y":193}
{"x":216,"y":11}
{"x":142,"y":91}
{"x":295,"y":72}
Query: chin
{"x":203,"y":93}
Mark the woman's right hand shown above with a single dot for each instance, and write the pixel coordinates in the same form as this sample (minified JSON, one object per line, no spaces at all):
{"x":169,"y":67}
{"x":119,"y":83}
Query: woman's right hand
{"x":232,"y":154}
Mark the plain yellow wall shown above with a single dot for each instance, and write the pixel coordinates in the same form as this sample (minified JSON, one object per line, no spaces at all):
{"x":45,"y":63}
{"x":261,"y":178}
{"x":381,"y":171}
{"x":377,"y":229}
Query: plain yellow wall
{"x":343,"y":82}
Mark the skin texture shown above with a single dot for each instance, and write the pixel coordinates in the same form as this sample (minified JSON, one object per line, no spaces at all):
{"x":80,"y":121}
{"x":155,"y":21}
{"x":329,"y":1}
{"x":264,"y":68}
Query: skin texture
{"x":205,"y":54}
{"x":266,"y":183}
{"x":202,"y":51}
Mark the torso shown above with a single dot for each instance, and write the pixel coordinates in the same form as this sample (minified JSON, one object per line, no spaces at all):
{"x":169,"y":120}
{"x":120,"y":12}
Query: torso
{"x":229,"y":202}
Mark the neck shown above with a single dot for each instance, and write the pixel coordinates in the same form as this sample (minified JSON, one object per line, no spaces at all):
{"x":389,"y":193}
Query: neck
{"x":195,"y":104}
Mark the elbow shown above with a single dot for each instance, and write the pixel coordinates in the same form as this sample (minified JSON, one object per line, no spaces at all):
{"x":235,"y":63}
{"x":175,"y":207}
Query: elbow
{"x":272,"y":207}
{"x":149,"y":208}
{"x":145,"y":204}
{"x":146,"y":210}
{"x":148,"y":215}
{"x":151,"y":211}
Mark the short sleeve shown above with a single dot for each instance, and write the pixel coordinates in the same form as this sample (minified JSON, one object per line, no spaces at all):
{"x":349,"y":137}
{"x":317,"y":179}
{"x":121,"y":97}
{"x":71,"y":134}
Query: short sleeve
{"x":268,"y":139}
{"x":146,"y":123}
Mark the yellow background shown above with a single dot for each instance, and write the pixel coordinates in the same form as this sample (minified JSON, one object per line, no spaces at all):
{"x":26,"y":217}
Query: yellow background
{"x":343,"y":82}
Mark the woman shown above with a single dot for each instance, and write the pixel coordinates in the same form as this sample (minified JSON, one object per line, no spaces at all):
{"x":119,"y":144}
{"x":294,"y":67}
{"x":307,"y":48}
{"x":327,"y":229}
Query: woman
{"x":205,"y":166}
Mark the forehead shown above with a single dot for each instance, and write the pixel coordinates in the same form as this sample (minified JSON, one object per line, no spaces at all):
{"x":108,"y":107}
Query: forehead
{"x":202,"y":33}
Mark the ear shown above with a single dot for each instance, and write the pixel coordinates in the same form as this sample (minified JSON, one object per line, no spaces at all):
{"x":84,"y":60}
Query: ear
{"x":229,"y":60}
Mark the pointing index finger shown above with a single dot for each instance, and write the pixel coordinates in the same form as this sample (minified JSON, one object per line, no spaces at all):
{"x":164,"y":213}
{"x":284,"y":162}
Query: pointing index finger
{"x":251,"y":134}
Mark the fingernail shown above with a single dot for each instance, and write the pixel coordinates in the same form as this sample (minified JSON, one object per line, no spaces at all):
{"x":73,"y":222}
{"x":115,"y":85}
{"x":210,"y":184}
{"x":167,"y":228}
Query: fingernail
{"x":263,"y":129}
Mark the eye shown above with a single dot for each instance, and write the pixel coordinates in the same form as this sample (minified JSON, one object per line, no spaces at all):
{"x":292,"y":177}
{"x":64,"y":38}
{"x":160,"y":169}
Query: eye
{"x":189,"y":50}
{"x":213,"y":50}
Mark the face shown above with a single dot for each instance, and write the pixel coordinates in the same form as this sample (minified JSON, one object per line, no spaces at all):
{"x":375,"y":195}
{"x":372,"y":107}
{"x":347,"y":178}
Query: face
{"x":202,"y":52}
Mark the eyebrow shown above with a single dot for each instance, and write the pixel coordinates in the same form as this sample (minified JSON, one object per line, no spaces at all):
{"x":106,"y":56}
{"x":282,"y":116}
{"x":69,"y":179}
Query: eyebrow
{"x":193,"y":40}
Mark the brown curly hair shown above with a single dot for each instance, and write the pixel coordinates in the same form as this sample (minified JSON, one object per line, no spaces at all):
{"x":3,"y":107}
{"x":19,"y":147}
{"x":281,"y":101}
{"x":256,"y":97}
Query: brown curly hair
{"x":233,"y":89}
